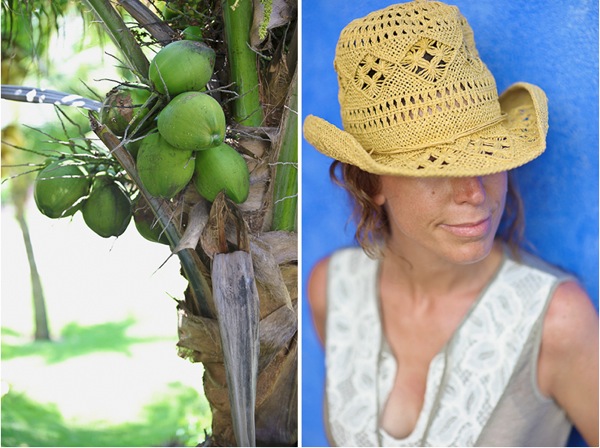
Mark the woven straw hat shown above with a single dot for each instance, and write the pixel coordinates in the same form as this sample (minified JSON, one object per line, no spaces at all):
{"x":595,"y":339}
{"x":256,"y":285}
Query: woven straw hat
{"x":416,"y":99}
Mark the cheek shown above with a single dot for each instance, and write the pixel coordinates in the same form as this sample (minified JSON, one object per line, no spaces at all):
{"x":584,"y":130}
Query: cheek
{"x":496,"y":192}
{"x":498,"y":188}
{"x":413,"y":212}
{"x":407,"y":199}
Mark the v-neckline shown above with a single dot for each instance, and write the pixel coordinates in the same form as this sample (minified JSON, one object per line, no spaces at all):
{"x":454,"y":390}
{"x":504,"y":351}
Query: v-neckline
{"x":384,"y":345}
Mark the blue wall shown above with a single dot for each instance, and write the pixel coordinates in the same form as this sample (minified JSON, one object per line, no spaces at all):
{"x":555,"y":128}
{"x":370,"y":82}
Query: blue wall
{"x":553,"y":44}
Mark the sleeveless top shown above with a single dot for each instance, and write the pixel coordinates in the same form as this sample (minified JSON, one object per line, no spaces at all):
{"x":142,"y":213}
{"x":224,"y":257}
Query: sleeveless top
{"x":481,"y":388}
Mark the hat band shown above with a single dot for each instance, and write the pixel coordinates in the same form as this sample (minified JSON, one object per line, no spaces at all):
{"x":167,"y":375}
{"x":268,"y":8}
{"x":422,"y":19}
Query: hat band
{"x":448,"y":141}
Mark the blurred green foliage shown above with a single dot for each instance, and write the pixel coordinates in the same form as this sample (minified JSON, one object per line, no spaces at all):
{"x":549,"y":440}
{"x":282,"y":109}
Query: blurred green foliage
{"x":75,"y":340}
{"x":175,"y":418}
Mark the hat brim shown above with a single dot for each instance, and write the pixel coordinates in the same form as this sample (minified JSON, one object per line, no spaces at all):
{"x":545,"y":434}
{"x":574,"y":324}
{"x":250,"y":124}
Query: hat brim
{"x":518,"y":139}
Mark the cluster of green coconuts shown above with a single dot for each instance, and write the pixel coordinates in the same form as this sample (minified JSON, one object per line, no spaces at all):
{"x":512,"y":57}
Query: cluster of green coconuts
{"x":184,"y":144}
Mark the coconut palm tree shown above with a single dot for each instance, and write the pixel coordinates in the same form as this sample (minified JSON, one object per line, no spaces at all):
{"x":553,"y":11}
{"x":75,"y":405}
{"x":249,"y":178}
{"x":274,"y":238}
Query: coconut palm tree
{"x":239,"y":313}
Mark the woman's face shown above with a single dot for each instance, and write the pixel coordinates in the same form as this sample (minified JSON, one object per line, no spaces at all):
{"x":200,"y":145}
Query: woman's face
{"x":454,"y":218}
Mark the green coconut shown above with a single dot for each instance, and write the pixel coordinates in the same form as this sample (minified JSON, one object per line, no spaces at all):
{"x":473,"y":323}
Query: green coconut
{"x":182,"y":66}
{"x":108,"y":209}
{"x":193,"y":32}
{"x":123,"y":107}
{"x":192,"y":121}
{"x":59,"y":187}
{"x":146,"y":223}
{"x":163,"y":169}
{"x":222,"y":168}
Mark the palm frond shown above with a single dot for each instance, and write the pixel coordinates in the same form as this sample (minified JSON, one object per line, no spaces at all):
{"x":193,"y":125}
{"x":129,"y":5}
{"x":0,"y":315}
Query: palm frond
{"x":45,"y":96}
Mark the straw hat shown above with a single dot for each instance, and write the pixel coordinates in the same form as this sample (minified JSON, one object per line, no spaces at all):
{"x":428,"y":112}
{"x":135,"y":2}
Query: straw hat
{"x":416,"y":99}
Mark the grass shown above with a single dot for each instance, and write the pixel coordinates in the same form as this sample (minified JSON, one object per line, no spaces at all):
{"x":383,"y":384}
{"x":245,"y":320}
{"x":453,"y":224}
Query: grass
{"x":168,"y":421}
{"x":177,"y":415}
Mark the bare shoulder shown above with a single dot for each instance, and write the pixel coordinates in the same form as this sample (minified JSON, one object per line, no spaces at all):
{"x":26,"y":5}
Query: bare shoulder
{"x":317,"y":295}
{"x":568,"y":364}
{"x":571,"y":321}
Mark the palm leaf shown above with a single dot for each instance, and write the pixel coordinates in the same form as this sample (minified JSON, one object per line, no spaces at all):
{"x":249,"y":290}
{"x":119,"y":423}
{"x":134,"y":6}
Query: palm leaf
{"x":45,"y":96}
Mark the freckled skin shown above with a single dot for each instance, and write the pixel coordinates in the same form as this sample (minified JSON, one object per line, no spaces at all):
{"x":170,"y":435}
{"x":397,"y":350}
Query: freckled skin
{"x":422,"y":212}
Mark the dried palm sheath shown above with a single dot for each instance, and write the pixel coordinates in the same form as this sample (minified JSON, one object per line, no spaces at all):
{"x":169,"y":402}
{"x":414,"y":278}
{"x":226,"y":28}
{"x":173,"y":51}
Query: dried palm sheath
{"x":236,"y":299}
{"x":273,"y":264}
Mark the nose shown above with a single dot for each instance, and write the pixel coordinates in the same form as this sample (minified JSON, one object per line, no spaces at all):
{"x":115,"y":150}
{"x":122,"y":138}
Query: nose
{"x":468,"y":190}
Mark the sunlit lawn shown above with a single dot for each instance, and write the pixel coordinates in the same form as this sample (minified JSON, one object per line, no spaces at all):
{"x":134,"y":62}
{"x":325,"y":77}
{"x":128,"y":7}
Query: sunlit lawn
{"x":111,"y":376}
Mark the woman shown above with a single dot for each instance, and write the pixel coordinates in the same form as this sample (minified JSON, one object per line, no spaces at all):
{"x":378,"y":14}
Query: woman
{"x":447,"y":336}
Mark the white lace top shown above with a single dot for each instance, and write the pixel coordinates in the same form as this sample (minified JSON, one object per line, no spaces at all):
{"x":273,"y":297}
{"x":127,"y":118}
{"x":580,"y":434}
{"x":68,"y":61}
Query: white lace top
{"x":481,"y":387}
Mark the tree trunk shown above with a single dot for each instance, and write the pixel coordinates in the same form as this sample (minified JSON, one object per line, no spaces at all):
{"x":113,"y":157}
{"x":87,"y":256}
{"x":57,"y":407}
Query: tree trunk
{"x":42,"y":332}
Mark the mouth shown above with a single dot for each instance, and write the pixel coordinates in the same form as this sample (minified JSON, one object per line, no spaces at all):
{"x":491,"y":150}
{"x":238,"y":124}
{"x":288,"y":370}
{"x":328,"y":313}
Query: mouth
{"x":474,"y":229}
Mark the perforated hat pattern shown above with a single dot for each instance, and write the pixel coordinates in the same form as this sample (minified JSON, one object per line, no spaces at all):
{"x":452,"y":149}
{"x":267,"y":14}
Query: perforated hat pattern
{"x":416,"y":99}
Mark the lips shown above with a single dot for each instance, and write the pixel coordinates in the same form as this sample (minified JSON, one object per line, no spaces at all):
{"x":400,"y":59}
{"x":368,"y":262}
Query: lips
{"x":469,"y":229}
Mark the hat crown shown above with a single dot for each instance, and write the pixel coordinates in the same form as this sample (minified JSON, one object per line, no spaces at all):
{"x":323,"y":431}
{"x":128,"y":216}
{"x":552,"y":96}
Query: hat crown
{"x":410,"y":76}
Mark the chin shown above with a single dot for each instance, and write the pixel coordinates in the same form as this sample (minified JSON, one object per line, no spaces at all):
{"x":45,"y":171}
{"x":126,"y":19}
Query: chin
{"x":470,"y":252}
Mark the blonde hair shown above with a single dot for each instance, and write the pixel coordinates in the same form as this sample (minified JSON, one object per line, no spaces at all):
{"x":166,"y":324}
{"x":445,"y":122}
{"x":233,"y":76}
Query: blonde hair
{"x":372,"y":224}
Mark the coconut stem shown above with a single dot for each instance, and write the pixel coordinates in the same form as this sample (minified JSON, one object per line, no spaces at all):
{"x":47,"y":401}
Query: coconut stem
{"x":121,"y":36}
{"x":237,"y":18}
